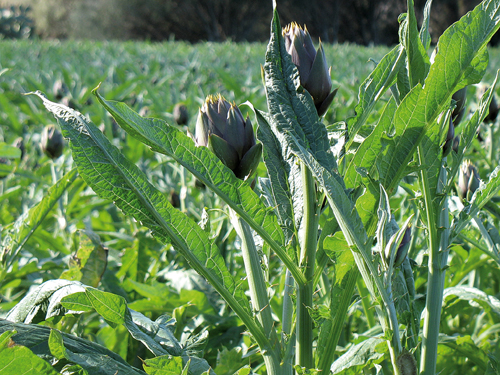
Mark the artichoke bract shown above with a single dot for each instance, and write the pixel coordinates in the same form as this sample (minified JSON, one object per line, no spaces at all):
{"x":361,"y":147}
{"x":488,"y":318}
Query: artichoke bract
{"x":222,"y":128}
{"x":311,"y":63}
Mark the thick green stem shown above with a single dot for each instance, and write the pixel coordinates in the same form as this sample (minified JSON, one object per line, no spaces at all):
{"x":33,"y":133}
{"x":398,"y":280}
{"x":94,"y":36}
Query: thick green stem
{"x":304,"y":327}
{"x":307,"y":261}
{"x":438,"y":238}
{"x":395,"y":349}
{"x":492,"y":146}
{"x":287,"y":324}
{"x":258,"y":291}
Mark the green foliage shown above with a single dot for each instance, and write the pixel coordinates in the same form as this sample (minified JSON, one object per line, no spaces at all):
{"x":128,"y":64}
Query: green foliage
{"x":138,"y":251}
{"x":17,"y":358}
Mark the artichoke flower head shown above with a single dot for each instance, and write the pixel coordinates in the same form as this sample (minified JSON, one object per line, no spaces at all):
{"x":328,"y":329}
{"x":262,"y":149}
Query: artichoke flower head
{"x":311,"y":63}
{"x":222,"y":128}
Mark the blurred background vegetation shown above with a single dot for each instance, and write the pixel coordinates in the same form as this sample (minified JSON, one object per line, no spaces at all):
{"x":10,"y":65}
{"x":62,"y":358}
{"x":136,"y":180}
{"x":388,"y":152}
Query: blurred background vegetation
{"x":362,"y":22}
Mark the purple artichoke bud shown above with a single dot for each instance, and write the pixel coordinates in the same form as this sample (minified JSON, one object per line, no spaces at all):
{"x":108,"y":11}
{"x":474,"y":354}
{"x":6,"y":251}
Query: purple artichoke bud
{"x":468,"y":180}
{"x":459,"y":111}
{"x":222,"y":128}
{"x":450,"y":136}
{"x":181,"y":115}
{"x":311,"y":63}
{"x":492,"y":111}
{"x":52,"y":142}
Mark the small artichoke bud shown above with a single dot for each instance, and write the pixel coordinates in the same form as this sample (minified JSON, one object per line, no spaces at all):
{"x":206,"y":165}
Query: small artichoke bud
{"x":181,"y":115}
{"x":403,"y":247}
{"x":311,"y":63}
{"x":60,"y":89}
{"x":492,"y":111}
{"x":450,"y":136}
{"x":468,"y":180}
{"x":406,"y":363}
{"x":459,"y":111}
{"x":52,"y":142}
{"x":222,"y":128}
{"x":402,"y":250}
{"x":175,"y":199}
{"x":19,"y":143}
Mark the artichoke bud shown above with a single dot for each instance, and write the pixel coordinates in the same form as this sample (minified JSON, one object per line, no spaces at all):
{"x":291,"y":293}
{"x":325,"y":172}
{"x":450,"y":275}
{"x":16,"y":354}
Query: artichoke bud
{"x":459,"y":111}
{"x":52,"y":142}
{"x":468,"y":180}
{"x":401,"y":251}
{"x":175,"y":199}
{"x":450,"y":137}
{"x":406,"y":363}
{"x":222,"y":128}
{"x":403,"y":248}
{"x":311,"y":63}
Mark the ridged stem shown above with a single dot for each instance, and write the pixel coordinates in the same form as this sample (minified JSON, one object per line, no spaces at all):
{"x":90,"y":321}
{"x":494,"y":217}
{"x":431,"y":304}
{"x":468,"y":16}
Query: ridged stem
{"x":308,"y":245}
{"x":258,"y":292}
{"x":438,"y":237}
{"x":287,"y":324}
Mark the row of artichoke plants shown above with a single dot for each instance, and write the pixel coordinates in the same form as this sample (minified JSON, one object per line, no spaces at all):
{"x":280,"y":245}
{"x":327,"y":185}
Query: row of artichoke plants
{"x":327,"y":193}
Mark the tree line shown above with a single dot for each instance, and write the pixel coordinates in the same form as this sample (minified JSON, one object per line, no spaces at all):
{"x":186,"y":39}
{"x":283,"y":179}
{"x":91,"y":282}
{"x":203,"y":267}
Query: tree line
{"x":356,"y":21}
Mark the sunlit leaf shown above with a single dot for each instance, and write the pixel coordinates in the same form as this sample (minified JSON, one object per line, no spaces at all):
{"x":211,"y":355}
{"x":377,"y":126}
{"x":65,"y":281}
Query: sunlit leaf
{"x":89,"y":262}
{"x":26,"y":224}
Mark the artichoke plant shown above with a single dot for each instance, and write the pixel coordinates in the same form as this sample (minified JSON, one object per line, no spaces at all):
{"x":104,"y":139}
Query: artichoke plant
{"x":222,"y":128}
{"x":311,"y":63}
